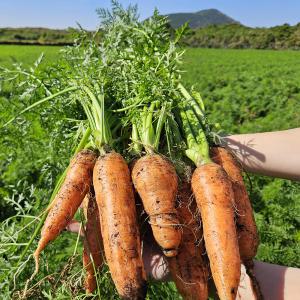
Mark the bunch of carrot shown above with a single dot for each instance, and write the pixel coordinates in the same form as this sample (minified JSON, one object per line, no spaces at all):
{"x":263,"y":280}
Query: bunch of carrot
{"x":137,"y":111}
{"x":229,"y":229}
{"x":221,"y":213}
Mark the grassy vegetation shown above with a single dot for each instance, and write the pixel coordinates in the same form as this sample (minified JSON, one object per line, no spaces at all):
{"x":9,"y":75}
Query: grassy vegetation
{"x":248,"y":90}
{"x":10,"y":54}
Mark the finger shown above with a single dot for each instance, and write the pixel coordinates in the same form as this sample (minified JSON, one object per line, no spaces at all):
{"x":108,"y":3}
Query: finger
{"x":245,"y":291}
{"x":155,"y":263}
{"x":74,"y":226}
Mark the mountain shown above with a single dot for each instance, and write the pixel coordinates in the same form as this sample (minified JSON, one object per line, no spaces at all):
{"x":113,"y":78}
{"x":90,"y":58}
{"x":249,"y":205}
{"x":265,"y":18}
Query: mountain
{"x":199,"y":19}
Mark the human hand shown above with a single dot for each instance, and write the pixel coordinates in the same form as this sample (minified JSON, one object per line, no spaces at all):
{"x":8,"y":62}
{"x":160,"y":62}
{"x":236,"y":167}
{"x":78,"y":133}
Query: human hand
{"x":156,"y":264}
{"x":268,"y":153}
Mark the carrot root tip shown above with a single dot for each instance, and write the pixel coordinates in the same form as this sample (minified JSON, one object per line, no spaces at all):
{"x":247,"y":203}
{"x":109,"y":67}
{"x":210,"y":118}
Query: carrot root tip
{"x":36,"y":256}
{"x":170,"y":252}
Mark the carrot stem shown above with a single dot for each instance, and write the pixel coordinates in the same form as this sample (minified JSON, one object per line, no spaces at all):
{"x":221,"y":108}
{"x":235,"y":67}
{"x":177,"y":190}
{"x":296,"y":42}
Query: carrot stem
{"x":149,"y":135}
{"x":136,"y":147}
{"x":73,"y":88}
{"x":160,"y":124}
{"x":198,"y":148}
{"x":145,"y":132}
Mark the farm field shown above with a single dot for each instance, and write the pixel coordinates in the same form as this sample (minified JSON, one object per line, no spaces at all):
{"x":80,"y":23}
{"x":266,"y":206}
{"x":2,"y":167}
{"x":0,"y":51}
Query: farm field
{"x":248,"y":90}
{"x":25,"y":54}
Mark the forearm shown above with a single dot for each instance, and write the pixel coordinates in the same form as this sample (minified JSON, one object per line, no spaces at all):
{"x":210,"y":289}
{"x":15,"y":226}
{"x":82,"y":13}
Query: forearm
{"x":270,"y":153}
{"x":277,"y":282}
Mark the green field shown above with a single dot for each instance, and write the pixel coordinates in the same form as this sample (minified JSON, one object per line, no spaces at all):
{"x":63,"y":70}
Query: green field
{"x":249,"y":90}
{"x":245,"y":90}
{"x":26,"y":54}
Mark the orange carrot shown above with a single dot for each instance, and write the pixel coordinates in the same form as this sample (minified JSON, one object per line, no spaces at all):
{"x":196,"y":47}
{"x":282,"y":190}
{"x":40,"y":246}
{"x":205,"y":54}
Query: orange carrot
{"x":85,"y":203}
{"x":120,"y":233}
{"x":213,"y":191}
{"x":68,"y":199}
{"x":245,"y":223}
{"x":90,"y":282}
{"x":188,"y":269}
{"x":93,"y":246}
{"x":156,"y":182}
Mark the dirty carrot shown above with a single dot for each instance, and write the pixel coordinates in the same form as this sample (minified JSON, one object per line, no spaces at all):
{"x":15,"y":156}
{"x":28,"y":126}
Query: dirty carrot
{"x":246,"y":228}
{"x":118,"y":219}
{"x":156,"y":181}
{"x":93,"y":245}
{"x":189,"y":268}
{"x":68,"y":199}
{"x":245,"y":223}
{"x":212,"y":189}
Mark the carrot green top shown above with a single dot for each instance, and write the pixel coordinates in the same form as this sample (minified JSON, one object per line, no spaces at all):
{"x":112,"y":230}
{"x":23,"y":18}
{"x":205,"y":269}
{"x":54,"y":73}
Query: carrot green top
{"x":193,"y":125}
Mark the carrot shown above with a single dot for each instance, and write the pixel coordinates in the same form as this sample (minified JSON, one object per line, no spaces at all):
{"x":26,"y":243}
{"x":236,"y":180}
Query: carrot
{"x":214,"y":196}
{"x":156,"y":182}
{"x":90,"y":282}
{"x":188,"y":268}
{"x":68,"y":199}
{"x":120,"y":233}
{"x":85,"y":204}
{"x":245,"y":223}
{"x":212,"y":189}
{"x":254,"y":282}
{"x":93,"y":246}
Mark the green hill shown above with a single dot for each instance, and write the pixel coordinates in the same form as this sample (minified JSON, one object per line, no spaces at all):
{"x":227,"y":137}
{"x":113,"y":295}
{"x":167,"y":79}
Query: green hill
{"x":199,"y":19}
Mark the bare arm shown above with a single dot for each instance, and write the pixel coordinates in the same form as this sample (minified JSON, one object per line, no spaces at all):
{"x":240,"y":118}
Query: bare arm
{"x":274,"y":154}
{"x":276,"y":282}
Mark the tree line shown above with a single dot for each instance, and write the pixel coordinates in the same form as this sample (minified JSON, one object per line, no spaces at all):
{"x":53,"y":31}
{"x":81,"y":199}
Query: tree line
{"x":237,"y":36}
{"x":234,"y":36}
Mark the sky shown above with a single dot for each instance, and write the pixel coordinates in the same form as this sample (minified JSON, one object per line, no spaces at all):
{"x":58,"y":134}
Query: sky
{"x":65,"y":13}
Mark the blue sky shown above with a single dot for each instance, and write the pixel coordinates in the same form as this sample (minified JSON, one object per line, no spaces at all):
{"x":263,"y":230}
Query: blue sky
{"x":65,"y":13}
